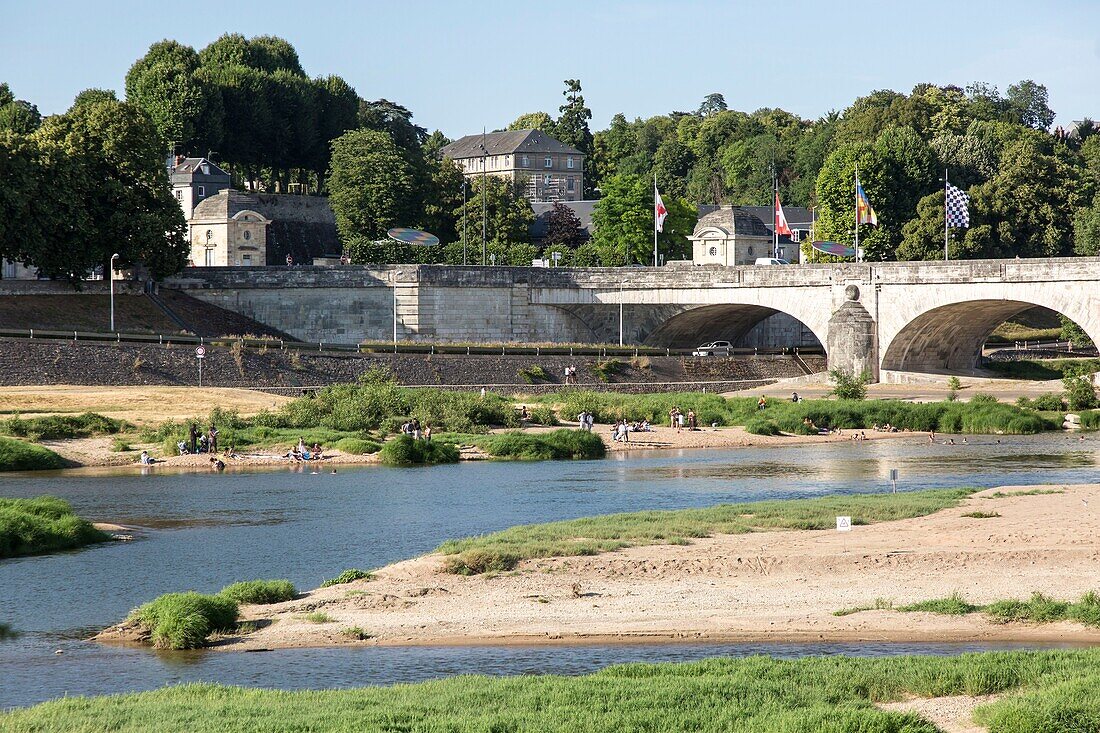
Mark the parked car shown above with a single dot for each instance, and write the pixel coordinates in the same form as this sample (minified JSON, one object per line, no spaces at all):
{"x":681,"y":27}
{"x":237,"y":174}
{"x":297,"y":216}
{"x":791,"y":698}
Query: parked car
{"x":771,"y":261}
{"x":714,"y":348}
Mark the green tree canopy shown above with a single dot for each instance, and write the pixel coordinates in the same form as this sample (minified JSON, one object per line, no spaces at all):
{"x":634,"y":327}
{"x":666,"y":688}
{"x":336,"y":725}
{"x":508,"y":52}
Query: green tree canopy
{"x":372,"y":185}
{"x":508,"y":215}
{"x":623,"y":223}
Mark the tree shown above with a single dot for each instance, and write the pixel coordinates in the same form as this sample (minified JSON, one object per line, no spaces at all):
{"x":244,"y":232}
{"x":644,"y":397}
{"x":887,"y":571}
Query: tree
{"x":1074,"y":334}
{"x":17,"y":115}
{"x":1027,"y":104}
{"x":184,"y":108}
{"x":110,"y":154}
{"x":712,"y":103}
{"x":372,"y":185}
{"x":848,"y":386}
{"x":572,"y":128}
{"x":394,"y":120}
{"x":442,"y":197}
{"x":623,"y":223}
{"x":90,"y":96}
{"x":508,"y":216}
{"x":563,"y":229}
{"x":534,"y":121}
{"x":1086,"y":230}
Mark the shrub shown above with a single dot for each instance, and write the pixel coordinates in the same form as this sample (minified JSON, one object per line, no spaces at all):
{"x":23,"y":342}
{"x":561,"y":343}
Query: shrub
{"x":357,"y":633}
{"x":260,"y":591}
{"x":58,"y":427}
{"x":762,"y":426}
{"x":953,"y":605}
{"x":43,"y":524}
{"x":983,"y":399}
{"x":118,"y":445}
{"x":403,"y":450}
{"x":1048,"y":402}
{"x":1039,"y":608}
{"x":357,"y":446}
{"x":1090,"y":420}
{"x":15,"y":455}
{"x":555,"y":445}
{"x":479,"y":560}
{"x":534,"y":373}
{"x":606,"y":369}
{"x":544,"y":415}
{"x":348,"y":576}
{"x":848,"y":386}
{"x":318,"y":617}
{"x":185,"y":620}
{"x":1080,"y":393}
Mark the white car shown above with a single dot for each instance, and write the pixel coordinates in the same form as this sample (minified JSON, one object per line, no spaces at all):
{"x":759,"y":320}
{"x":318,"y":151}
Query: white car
{"x":714,"y":348}
{"x":771,"y":261}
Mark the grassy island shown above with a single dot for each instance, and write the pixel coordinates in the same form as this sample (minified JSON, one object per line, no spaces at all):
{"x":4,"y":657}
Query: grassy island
{"x":43,"y":524}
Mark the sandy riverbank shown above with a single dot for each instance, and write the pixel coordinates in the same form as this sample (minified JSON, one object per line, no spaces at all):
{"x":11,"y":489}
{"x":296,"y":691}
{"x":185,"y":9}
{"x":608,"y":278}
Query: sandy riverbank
{"x":765,"y":586}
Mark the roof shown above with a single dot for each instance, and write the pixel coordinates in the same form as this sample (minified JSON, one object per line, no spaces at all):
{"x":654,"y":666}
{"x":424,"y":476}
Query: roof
{"x":798,"y":217}
{"x":733,"y":220}
{"x":506,"y":143}
{"x":583,"y":210}
{"x":190,"y":168}
{"x":226,"y":204}
{"x":303,"y":226}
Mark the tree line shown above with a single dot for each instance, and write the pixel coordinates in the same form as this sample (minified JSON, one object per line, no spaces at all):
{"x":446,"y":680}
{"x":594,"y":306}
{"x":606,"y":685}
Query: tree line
{"x":92,"y":181}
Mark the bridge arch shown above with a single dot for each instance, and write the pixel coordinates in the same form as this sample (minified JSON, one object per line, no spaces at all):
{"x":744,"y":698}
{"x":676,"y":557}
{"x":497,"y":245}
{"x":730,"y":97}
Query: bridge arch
{"x":725,"y":322}
{"x":949,"y":337}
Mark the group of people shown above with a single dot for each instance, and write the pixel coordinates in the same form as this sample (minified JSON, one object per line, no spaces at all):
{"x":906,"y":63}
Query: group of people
{"x":678,"y":419}
{"x":585,"y":421}
{"x":302,"y":452}
{"x":199,"y":442}
{"x":413,"y":429}
{"x":621,"y":429}
{"x":884,"y":428}
{"x":571,"y":374}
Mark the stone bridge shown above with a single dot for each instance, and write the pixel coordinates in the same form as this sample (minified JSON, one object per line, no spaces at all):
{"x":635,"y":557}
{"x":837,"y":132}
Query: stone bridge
{"x":898,"y":316}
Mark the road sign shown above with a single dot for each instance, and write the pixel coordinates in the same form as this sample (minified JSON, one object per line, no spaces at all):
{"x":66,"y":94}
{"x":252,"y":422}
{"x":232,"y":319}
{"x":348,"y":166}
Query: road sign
{"x":843,"y":524}
{"x":894,"y":479}
{"x":200,"y":352}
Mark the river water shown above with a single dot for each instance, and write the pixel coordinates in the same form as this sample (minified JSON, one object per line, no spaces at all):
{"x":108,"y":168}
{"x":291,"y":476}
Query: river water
{"x":203,"y":531}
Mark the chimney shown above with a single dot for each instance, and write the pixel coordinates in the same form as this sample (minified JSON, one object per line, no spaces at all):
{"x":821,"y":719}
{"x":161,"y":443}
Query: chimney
{"x":180,"y":159}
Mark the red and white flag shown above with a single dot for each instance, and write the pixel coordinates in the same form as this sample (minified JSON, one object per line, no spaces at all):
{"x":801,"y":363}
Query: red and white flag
{"x":659,"y":210}
{"x":780,"y":220}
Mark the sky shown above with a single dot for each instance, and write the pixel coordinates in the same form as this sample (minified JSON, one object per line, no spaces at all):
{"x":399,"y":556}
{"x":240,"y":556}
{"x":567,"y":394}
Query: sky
{"x":464,"y":65}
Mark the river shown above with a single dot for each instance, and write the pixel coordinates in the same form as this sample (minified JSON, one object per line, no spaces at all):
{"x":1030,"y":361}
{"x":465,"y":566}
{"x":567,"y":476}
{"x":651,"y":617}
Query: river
{"x":203,"y":531}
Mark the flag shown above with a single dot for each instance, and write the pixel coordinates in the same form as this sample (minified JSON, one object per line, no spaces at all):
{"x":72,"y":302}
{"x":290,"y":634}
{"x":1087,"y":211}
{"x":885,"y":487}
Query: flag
{"x":864,"y":213}
{"x":659,"y":210}
{"x":958,"y":210}
{"x":780,"y":220}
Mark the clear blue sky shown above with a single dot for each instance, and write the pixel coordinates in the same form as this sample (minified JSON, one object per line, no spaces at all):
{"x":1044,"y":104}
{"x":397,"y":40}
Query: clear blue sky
{"x":460,"y":65}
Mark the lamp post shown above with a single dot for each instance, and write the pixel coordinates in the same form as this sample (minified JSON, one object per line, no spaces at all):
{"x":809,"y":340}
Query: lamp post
{"x":395,"y":274}
{"x":463,"y":218}
{"x":620,"y":312}
{"x":111,"y":277}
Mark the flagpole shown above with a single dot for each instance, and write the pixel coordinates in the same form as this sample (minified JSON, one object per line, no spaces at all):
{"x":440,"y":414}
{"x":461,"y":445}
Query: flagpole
{"x":655,"y":195}
{"x":775,"y":215}
{"x":858,"y":258}
{"x":945,"y":255}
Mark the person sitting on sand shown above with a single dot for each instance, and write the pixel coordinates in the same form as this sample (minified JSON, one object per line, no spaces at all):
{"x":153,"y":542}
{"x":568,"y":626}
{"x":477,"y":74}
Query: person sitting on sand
{"x":181,"y":446}
{"x":762,"y":403}
{"x":647,"y":428}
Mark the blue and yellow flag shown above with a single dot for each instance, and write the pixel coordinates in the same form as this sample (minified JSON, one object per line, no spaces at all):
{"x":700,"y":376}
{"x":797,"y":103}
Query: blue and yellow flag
{"x":864,"y":213}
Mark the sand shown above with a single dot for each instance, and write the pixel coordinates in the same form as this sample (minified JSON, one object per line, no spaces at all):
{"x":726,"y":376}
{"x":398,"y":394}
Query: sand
{"x":767,"y":586}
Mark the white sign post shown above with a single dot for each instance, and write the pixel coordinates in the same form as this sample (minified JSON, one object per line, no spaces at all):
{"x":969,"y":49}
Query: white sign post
{"x":894,"y":479}
{"x":200,"y":354}
{"x":844,"y":524}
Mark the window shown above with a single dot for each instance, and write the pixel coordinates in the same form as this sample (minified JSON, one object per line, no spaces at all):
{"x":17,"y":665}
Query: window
{"x":713,"y":252}
{"x":247,"y":235}
{"x":547,"y":180}
{"x":569,"y":162}
{"x":246,"y":260}
{"x":548,"y":163}
{"x":209,"y":258}
{"x":205,"y":169}
{"x":200,"y":190}
{"x":750,"y":251}
{"x":525,"y":162}
{"x":179,"y":195}
{"x":570,"y":185}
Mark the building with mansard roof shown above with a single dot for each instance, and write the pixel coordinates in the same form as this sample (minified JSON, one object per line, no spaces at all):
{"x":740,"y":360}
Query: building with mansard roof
{"x":542,"y":168}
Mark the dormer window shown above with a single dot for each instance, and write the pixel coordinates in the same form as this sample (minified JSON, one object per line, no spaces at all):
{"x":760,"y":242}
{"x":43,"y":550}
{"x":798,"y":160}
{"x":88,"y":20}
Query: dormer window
{"x":205,"y":170}
{"x":549,"y":162}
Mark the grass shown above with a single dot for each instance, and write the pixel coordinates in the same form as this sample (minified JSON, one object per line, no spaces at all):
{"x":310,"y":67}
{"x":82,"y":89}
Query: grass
{"x":1027,"y":492}
{"x":348,"y":576}
{"x":557,"y":445}
{"x":762,"y":426}
{"x":503,"y":550}
{"x":118,"y":445}
{"x":1045,"y":369}
{"x":260,"y":591}
{"x":357,"y":446}
{"x":404,"y":450}
{"x":607,"y":369}
{"x":357,"y":633}
{"x":1044,"y":691}
{"x":533,"y":374}
{"x":16,"y":455}
{"x":980,"y":415}
{"x":317,"y":617}
{"x":57,"y":427}
{"x":981,"y":515}
{"x":185,"y":620}
{"x":953,"y":605}
{"x":880,"y":604}
{"x":43,"y":524}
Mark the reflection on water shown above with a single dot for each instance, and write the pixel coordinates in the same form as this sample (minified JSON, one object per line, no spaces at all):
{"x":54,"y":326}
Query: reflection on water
{"x":203,"y":531}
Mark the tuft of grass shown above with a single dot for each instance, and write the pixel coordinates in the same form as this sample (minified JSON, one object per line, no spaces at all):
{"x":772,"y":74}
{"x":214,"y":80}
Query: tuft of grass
{"x":1041,"y":691}
{"x":348,"y":576}
{"x":607,"y":369}
{"x":15,"y":455}
{"x":404,"y":450}
{"x":503,"y":550}
{"x":43,"y":524}
{"x":357,"y":633}
{"x":1037,"y":609}
{"x":544,"y":415}
{"x":59,"y":427}
{"x":357,"y":446}
{"x":953,"y":605}
{"x":1029,"y":492}
{"x":260,"y":591}
{"x":317,"y":617}
{"x":533,"y":374}
{"x":556,"y":445}
{"x":185,"y":620}
{"x":981,"y":515}
{"x":119,"y":445}
{"x":762,"y":426}
{"x":880,"y":604}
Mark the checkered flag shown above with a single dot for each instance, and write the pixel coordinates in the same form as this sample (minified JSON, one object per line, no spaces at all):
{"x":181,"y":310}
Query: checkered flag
{"x":958,"y":211}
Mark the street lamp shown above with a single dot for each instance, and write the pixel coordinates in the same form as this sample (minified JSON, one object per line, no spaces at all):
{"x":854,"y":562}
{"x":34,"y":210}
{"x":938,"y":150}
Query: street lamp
{"x":395,"y":274}
{"x":620,"y":311}
{"x":111,"y":275}
{"x":463,"y":218}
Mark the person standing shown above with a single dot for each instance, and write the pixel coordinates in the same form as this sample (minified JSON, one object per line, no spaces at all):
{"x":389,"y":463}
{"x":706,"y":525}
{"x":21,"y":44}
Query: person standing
{"x":213,"y":438}
{"x":194,"y":438}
